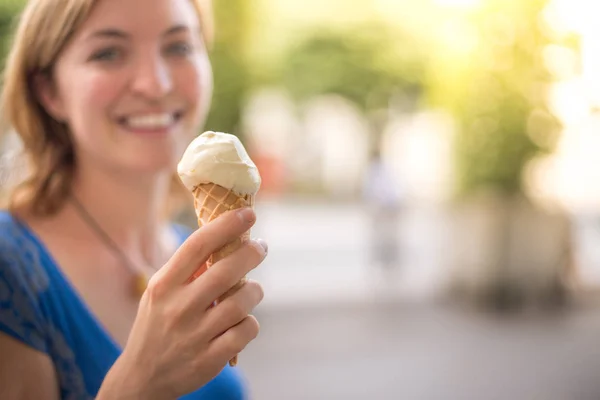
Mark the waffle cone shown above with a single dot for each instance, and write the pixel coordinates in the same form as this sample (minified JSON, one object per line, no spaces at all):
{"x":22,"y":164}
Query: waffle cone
{"x":210,"y":202}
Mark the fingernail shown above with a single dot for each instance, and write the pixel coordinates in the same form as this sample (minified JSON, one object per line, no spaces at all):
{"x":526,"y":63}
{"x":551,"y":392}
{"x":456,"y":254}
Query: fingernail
{"x":263,"y":244}
{"x":246,"y":215}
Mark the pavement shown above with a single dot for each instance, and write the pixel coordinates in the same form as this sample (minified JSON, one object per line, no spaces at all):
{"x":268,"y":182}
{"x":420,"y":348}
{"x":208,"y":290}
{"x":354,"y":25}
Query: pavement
{"x":336,"y":327}
{"x":423,"y":352}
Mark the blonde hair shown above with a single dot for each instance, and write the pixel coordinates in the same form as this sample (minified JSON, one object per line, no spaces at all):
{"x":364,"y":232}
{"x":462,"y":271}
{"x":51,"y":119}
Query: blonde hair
{"x":44,"y":29}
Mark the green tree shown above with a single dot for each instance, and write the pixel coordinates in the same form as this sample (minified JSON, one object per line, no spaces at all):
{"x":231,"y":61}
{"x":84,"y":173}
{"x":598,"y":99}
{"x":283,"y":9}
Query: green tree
{"x":499,"y":98}
{"x":8,"y":11}
{"x":361,"y":64}
{"x":230,"y":66}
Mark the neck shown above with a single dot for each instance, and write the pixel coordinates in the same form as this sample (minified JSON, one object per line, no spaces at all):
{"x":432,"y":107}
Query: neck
{"x":129,"y":210}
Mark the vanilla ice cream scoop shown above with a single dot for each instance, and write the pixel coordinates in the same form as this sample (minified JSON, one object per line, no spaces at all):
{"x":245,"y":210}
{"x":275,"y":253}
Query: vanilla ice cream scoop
{"x":219,"y":158}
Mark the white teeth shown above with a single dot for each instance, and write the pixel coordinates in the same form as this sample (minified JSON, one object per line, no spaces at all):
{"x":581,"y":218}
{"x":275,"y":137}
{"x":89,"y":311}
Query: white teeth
{"x":154,"y":121}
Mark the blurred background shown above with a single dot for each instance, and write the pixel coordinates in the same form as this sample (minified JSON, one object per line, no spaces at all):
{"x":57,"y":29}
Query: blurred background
{"x":431,"y":193}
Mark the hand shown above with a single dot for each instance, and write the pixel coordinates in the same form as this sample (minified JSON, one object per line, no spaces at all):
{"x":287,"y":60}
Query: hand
{"x":178,"y":342}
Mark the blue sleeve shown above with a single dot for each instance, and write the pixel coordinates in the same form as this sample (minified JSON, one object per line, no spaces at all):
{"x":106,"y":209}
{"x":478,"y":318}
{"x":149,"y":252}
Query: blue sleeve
{"x":22,"y":281}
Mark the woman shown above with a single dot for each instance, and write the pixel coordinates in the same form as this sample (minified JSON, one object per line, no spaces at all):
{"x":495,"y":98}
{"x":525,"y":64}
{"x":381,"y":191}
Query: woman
{"x":106,"y":95}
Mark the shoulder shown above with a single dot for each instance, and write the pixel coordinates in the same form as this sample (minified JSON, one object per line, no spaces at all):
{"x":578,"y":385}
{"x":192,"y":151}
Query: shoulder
{"x":22,"y":281}
{"x":19,"y":252}
{"x":12,"y":232}
{"x":8,"y":227}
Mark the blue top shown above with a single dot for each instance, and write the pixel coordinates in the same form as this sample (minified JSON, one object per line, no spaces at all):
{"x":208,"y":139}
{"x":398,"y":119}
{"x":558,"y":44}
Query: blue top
{"x":39,"y":307}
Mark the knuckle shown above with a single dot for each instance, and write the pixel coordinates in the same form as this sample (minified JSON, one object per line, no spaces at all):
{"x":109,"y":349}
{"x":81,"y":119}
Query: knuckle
{"x":156,"y":287}
{"x":256,"y":289}
{"x":199,"y":245}
{"x":228,"y":224}
{"x":197,"y":240}
{"x":219,"y":279}
{"x":253,"y":327}
{"x":247,"y":331}
{"x":237,"y":310}
{"x":235,"y":344}
{"x":256,"y":252}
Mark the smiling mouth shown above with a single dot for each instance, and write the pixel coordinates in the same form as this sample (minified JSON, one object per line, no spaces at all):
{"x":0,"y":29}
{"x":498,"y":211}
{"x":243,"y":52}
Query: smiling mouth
{"x":151,"y":122}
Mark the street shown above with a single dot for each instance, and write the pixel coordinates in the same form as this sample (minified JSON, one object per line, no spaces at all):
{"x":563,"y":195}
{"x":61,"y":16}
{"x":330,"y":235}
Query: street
{"x":334,"y":327}
{"x":423,"y":352}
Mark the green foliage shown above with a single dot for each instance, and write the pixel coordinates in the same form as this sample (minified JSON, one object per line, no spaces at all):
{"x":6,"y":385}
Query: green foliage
{"x":361,"y":64}
{"x":230,"y":66}
{"x":8,"y":12}
{"x":499,"y":99}
{"x":10,"y":7}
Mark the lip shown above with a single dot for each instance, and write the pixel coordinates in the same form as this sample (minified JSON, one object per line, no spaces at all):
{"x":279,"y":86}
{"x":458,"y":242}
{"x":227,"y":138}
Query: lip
{"x":176,"y":119}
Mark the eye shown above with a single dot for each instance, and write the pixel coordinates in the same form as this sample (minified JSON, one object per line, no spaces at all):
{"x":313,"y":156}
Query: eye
{"x":108,"y":54}
{"x":179,"y":49}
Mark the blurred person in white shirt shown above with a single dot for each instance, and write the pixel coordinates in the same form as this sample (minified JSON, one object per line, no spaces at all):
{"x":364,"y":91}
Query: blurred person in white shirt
{"x":383,"y":197}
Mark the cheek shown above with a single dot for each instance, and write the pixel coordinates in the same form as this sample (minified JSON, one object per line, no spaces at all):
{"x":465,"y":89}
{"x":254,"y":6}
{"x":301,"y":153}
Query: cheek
{"x":98,"y":92}
{"x":195,"y":84}
{"x":90,"y":96}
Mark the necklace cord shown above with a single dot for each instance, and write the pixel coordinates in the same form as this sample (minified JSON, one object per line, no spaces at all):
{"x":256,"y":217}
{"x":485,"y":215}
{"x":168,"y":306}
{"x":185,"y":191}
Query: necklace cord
{"x":103,"y":236}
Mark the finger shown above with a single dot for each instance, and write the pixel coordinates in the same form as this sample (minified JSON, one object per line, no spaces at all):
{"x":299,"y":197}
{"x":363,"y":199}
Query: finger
{"x":194,"y":252}
{"x":234,"y":289}
{"x":203,"y":268}
{"x":234,"y":340}
{"x":226,"y":273}
{"x":233,"y":310}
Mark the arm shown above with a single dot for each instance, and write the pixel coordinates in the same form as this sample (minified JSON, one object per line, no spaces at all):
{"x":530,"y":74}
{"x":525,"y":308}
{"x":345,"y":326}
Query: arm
{"x":25,"y":373}
{"x":123,"y":383}
{"x":195,"y":340}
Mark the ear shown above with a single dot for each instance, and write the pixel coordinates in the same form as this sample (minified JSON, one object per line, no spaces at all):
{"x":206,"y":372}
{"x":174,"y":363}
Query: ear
{"x":49,"y":97}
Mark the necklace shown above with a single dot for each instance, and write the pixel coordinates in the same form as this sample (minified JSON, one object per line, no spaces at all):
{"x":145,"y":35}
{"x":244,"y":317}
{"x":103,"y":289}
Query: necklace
{"x":140,"y":281}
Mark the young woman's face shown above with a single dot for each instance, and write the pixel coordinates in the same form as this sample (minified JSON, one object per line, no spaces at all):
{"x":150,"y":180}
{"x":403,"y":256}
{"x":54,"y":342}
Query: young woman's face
{"x":133,"y":84}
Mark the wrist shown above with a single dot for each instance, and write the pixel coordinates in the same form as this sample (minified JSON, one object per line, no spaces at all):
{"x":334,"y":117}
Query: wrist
{"x":124,"y":381}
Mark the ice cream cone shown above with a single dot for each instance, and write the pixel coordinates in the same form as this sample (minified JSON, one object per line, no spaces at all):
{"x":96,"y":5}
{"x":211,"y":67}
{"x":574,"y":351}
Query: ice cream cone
{"x":218,"y":171}
{"x":210,"y":202}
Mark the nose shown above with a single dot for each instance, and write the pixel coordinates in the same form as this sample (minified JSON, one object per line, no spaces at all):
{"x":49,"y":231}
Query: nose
{"x":152,"y":78}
